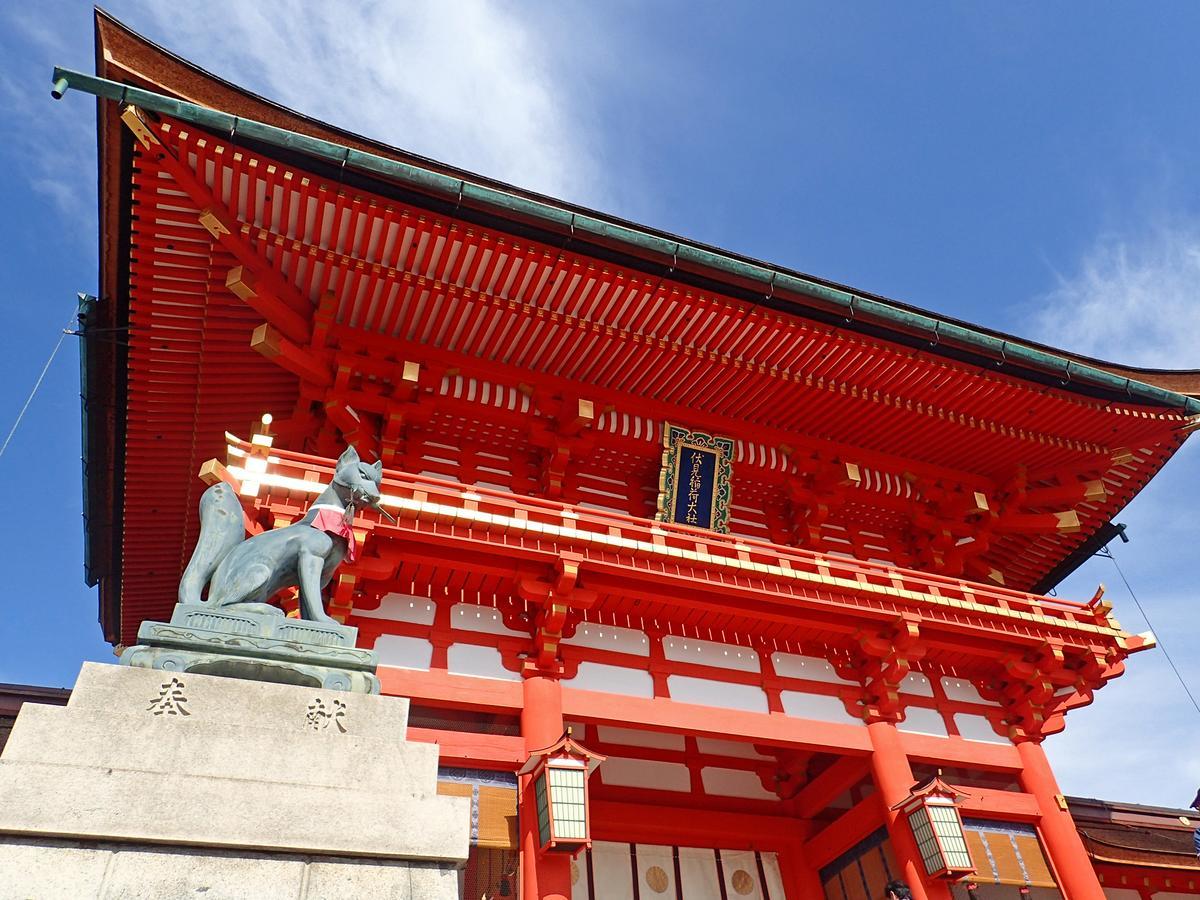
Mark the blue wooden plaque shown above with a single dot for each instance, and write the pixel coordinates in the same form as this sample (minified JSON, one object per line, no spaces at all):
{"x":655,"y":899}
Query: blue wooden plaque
{"x":694,"y":484}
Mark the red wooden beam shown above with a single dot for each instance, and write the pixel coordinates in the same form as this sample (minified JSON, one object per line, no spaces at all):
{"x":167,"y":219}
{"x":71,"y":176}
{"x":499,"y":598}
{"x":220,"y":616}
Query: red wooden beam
{"x":1007,"y":805}
{"x":662,"y":824}
{"x":661,"y":714}
{"x":458,"y":691}
{"x":467,"y":749}
{"x":1068,"y":493}
{"x":245,"y":286}
{"x":845,"y":831}
{"x":300,"y":362}
{"x":830,"y":784}
{"x":830,"y":607}
{"x":974,"y":754}
{"x":1066,"y":522}
{"x":287,"y":307}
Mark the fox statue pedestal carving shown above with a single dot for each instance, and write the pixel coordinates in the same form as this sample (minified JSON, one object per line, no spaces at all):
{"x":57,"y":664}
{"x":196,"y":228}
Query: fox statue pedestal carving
{"x":259,"y":644}
{"x":233,"y":630}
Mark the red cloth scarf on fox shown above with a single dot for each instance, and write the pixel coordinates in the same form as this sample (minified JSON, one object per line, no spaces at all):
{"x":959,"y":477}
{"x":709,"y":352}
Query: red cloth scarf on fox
{"x":333,"y":520}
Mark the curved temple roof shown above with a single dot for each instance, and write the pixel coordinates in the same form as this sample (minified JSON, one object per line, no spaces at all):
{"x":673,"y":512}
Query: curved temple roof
{"x":795,"y":366}
{"x":1137,"y":840}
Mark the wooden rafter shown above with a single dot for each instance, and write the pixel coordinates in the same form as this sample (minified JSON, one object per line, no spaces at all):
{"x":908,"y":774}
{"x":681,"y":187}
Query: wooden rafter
{"x":253,"y":280}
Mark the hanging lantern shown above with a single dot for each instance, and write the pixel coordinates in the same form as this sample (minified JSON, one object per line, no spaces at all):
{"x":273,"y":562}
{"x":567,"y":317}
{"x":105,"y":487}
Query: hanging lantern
{"x":932,"y":810}
{"x":558,"y":776}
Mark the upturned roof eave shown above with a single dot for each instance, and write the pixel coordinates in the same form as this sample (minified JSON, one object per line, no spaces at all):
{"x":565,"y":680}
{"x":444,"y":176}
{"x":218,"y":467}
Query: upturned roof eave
{"x":135,"y":64}
{"x":277,"y":125}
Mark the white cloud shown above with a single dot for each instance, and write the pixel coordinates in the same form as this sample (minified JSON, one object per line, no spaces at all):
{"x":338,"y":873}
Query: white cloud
{"x":1131,"y":299}
{"x":470,"y":83}
{"x":1134,"y":743}
{"x":1134,"y":298}
{"x":473,"y":83}
{"x":54,"y":147}
{"x":44,"y":33}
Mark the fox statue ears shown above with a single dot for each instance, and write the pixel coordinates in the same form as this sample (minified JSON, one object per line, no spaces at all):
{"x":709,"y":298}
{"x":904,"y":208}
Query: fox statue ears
{"x":350,"y":457}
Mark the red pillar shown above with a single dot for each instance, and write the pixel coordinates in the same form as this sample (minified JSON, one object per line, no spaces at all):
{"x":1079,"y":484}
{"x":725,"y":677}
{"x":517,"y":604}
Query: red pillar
{"x":1076,"y":876}
{"x":800,"y":878}
{"x":894,"y":779}
{"x":544,"y":876}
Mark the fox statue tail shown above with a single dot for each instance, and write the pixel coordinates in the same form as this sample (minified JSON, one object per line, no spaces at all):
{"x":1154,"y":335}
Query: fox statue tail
{"x":221,"y":529}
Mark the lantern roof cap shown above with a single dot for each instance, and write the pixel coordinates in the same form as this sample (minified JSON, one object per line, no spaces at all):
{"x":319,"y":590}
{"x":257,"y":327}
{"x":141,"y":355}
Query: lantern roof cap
{"x":566,"y":746}
{"x":934,"y":787}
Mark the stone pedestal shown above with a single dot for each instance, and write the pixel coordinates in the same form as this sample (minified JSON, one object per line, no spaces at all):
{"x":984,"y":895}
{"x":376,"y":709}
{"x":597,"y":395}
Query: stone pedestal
{"x":255,"y":641}
{"x":152,"y":783}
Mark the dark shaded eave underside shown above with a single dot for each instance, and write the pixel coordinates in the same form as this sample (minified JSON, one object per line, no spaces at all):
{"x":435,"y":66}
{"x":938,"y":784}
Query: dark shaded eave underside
{"x":105,"y":378}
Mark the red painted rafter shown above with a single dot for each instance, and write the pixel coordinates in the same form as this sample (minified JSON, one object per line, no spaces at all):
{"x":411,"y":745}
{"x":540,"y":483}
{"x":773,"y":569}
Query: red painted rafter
{"x":274,"y":299}
{"x":494,"y":257}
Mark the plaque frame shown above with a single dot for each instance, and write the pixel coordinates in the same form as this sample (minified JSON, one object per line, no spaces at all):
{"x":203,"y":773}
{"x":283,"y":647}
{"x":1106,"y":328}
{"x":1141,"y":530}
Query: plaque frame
{"x":675,"y":439}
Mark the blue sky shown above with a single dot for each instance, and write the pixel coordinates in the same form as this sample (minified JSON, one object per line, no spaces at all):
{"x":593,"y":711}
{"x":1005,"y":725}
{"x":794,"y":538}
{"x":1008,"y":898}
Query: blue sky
{"x":1030,"y":167}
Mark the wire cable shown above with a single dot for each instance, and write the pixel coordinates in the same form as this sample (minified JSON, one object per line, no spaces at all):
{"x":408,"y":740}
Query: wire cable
{"x":1162,"y":646}
{"x":37,"y":384}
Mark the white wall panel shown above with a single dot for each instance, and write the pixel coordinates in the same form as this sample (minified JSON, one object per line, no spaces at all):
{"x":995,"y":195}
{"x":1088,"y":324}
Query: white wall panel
{"x":916,"y":683}
{"x":978,"y":728}
{"x":770,"y":863}
{"x":612,"y":868}
{"x":403,"y":652}
{"x":710,"y":653}
{"x":480,"y":661}
{"x":822,"y":707}
{"x":579,"y":879}
{"x":613,"y":679}
{"x":740,"y":749}
{"x":734,"y":783}
{"x":791,"y":665}
{"x":725,"y":694}
{"x":402,"y":608}
{"x":741,"y":875}
{"x":633,"y":737}
{"x":645,"y":773}
{"x":483,"y":619}
{"x":656,"y":871}
{"x":613,"y":871}
{"x":921,"y":720}
{"x":964,"y":691}
{"x":608,"y":637}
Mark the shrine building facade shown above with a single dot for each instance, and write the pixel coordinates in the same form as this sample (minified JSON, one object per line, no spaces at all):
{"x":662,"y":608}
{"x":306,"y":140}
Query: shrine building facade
{"x":710,"y":579}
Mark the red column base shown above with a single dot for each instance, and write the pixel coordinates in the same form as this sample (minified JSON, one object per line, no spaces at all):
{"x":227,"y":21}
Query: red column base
{"x":544,"y":876}
{"x":1076,"y":877}
{"x":894,"y":778}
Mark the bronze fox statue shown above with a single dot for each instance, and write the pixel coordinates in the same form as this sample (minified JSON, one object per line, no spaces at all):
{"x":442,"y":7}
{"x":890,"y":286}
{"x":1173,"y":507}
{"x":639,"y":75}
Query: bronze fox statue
{"x":237,"y":569}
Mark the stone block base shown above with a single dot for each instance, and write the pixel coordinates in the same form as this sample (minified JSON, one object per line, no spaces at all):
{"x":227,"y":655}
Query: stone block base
{"x":48,"y":869}
{"x":153,"y":784}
